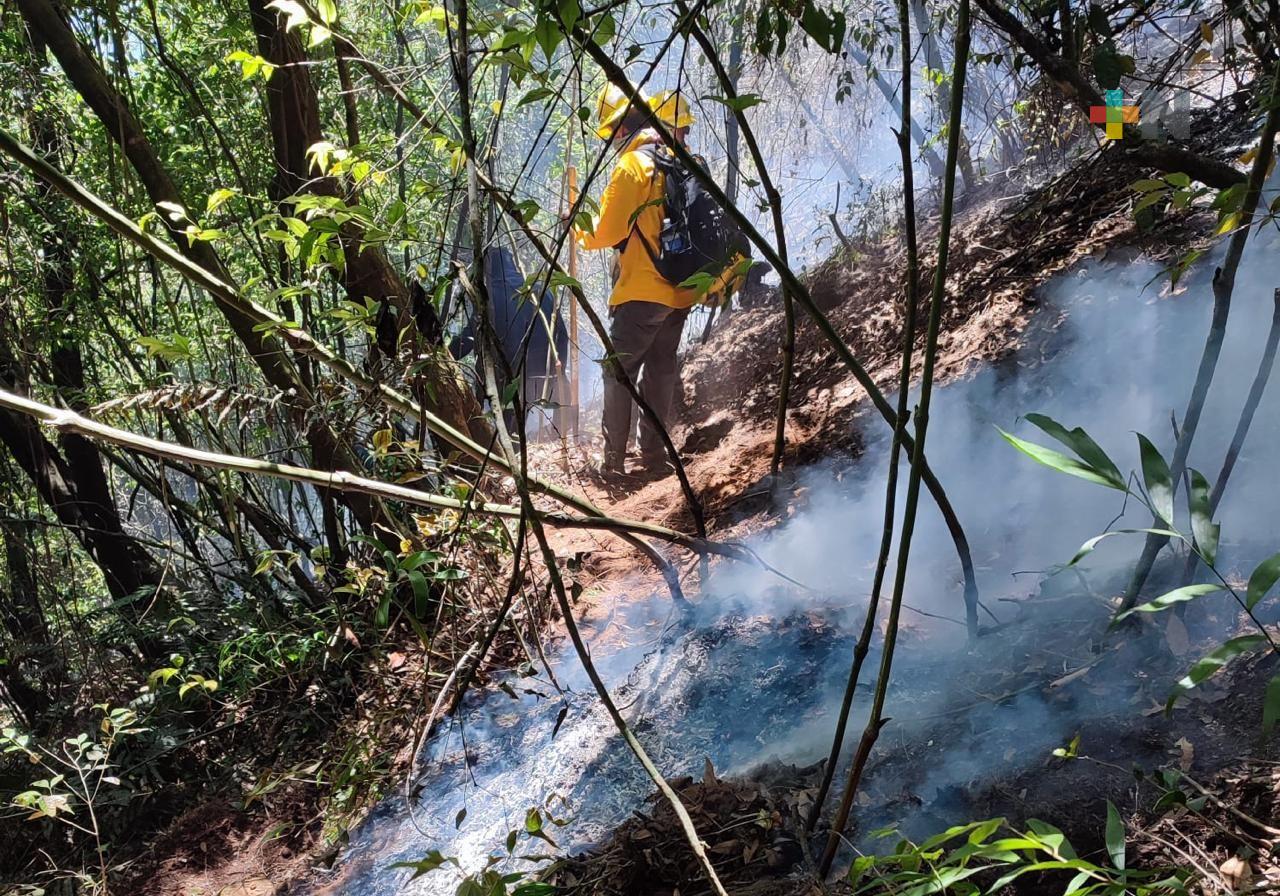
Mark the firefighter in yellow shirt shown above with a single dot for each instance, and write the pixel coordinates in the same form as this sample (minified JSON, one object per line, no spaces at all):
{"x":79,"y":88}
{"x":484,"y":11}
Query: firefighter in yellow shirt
{"x":647,"y":312}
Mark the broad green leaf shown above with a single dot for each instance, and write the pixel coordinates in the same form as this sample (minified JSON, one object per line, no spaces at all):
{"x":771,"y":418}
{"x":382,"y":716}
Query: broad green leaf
{"x":570,"y":12}
{"x":1264,"y":576}
{"x":1206,"y":532}
{"x":1115,"y":836}
{"x":319,"y":34}
{"x":1176,"y":596}
{"x":604,"y":31}
{"x":1147,"y":186}
{"x":1156,"y":477}
{"x":1109,"y":65}
{"x":1056,"y":460}
{"x":548,"y":36}
{"x":216,"y":199}
{"x":1212,"y":662}
{"x":1085,"y":447}
{"x":327,"y":10}
{"x":1271,"y":706}
{"x":537,"y":93}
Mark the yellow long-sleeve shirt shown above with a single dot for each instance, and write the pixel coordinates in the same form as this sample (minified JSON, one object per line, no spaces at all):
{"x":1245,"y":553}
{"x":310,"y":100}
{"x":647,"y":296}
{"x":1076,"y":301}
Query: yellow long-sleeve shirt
{"x":635,"y":185}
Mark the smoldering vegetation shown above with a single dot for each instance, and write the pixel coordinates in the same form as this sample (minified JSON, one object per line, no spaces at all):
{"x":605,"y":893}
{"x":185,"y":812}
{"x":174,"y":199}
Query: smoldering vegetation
{"x":754,"y":676}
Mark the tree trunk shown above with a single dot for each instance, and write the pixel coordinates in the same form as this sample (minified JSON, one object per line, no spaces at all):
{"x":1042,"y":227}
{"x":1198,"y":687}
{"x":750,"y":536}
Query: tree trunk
{"x":293,"y":109}
{"x":126,"y":567}
{"x":30,"y":657}
{"x":111,"y":108}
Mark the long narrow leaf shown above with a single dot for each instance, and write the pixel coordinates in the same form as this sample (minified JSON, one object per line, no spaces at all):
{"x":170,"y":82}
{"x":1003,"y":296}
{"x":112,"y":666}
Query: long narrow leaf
{"x":1083,"y":445}
{"x":1115,"y":836}
{"x":1204,"y":529}
{"x":1264,"y":576}
{"x":1212,"y":662}
{"x":1271,"y":707}
{"x":1176,"y":596}
{"x":1056,"y":460}
{"x":1088,"y":547}
{"x":1158,"y":480}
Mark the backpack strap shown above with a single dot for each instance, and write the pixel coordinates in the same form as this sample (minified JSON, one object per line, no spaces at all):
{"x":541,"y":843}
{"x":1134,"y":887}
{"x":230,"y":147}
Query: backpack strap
{"x":653,"y":151}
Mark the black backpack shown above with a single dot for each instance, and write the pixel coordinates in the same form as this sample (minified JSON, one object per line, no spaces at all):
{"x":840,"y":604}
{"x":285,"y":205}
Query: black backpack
{"x":697,"y":236}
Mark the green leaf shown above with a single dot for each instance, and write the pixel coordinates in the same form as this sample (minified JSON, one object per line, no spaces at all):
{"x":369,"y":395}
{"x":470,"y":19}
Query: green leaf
{"x":570,"y":12}
{"x":421,"y":592}
{"x":509,"y":392}
{"x":1147,"y":186}
{"x":1265,"y":574}
{"x":1108,"y":67}
{"x":548,"y":36}
{"x":605,"y":30}
{"x":433,"y":860}
{"x":1204,"y":529}
{"x":1115,"y":836}
{"x":1176,"y":596}
{"x":293,"y":11}
{"x":1088,"y":547}
{"x":738,"y":103}
{"x":534,"y":888}
{"x":700,"y":282}
{"x":1156,"y":477}
{"x":1212,"y":662}
{"x":533,"y":822}
{"x":826,"y":28}
{"x":1148,"y":200}
{"x":1056,"y":460}
{"x":216,"y":199}
{"x":1085,"y":447}
{"x":1271,"y":706}
{"x":537,"y":93}
{"x":560,"y":278}
{"x":327,"y":10}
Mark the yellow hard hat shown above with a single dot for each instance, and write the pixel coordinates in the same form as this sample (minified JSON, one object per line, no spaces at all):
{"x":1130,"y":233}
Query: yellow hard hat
{"x":672,"y":109}
{"x":611,"y":107}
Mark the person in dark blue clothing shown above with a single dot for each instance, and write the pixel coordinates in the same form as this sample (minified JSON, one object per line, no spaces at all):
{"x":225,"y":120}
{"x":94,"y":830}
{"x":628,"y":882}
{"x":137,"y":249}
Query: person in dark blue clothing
{"x":516,"y":317}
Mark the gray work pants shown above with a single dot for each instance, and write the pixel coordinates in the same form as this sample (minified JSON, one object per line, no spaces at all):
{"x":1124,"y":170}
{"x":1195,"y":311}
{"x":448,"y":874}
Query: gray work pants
{"x":645,"y":338}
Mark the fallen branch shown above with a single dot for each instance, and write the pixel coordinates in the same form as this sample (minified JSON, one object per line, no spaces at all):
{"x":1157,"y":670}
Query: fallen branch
{"x":296,"y":337}
{"x":1076,"y":87}
{"x":341,"y":480}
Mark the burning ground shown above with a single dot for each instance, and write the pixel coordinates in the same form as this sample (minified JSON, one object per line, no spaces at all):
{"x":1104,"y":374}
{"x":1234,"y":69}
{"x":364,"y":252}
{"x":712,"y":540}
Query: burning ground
{"x":1059,"y":306}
